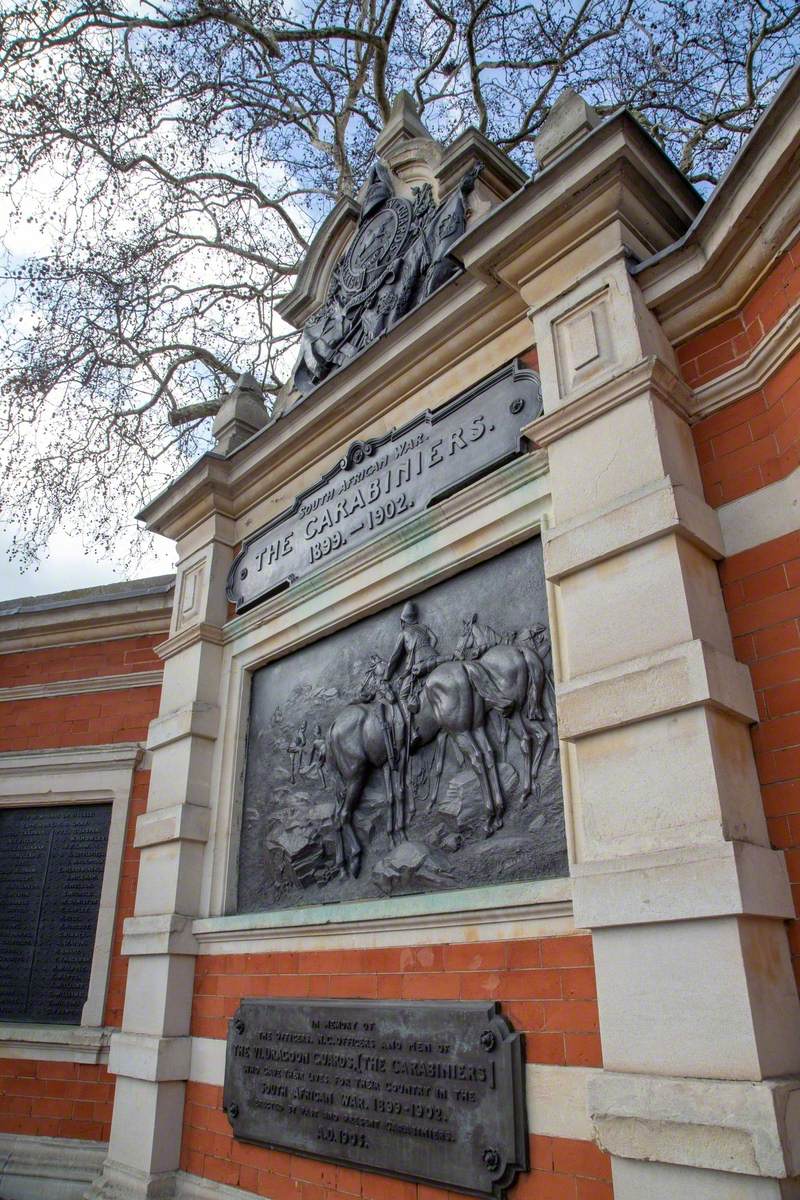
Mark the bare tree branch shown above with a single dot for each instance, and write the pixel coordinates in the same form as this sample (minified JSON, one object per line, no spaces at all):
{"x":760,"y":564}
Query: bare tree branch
{"x":164,"y":164}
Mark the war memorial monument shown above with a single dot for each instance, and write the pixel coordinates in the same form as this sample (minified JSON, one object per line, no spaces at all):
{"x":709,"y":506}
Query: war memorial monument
{"x":433,"y":832}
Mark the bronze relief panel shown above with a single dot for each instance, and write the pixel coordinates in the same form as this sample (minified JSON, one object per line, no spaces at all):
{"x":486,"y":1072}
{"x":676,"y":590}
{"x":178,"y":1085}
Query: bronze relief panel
{"x":413,"y":751}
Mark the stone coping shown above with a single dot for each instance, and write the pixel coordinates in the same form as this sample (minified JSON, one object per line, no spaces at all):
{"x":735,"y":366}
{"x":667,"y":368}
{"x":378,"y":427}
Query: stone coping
{"x":487,"y":905}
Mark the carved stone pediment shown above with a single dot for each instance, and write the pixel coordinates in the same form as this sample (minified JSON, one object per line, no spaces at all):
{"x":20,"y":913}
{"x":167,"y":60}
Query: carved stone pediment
{"x":375,"y":260}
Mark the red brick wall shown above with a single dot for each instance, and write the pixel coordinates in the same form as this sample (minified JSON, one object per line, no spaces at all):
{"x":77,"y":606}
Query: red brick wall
{"x":741,"y":448}
{"x":547,"y":986}
{"x":60,"y":1099}
{"x":87,"y":719}
{"x":118,"y":656}
{"x":55,"y":1099}
{"x":754,"y":441}
{"x":716,"y":350}
{"x":561,"y":1168}
{"x":762,"y":594}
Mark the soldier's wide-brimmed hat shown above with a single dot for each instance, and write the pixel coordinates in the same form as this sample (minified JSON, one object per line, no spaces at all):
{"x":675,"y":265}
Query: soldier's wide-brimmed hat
{"x":409,"y":612}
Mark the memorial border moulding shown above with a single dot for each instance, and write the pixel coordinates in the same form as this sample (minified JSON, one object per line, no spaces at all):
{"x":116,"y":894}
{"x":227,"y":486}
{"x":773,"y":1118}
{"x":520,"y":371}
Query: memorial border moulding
{"x":538,"y":909}
{"x":498,"y":511}
{"x":75,"y":776}
{"x":71,"y":687}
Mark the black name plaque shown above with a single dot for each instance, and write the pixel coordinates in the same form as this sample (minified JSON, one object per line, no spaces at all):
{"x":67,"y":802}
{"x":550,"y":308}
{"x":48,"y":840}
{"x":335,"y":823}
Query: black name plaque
{"x":384,"y":481}
{"x":432,"y":1092}
{"x":51,"y":873}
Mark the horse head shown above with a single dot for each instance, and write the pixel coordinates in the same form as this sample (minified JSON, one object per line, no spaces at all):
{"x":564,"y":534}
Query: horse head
{"x":467,"y":640}
{"x":533,"y":637}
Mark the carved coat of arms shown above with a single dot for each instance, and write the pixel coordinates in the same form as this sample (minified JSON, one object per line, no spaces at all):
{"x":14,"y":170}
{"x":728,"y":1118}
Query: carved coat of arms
{"x":397,"y":257}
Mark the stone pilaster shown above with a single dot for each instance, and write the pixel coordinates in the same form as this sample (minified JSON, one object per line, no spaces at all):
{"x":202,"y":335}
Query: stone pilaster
{"x":151,"y":1055}
{"x":672,"y":868}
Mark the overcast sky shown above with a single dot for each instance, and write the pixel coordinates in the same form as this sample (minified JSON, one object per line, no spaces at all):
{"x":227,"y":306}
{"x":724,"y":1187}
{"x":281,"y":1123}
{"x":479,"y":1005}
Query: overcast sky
{"x":69,"y":566}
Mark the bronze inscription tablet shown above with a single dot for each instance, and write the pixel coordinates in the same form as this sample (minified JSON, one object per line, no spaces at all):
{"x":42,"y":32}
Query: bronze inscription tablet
{"x":432,"y":1092}
{"x":51,"y":874}
{"x":384,"y":481}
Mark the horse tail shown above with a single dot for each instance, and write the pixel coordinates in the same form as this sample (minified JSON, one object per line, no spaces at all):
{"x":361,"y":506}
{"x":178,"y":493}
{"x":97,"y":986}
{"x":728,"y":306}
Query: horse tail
{"x":331,"y":750}
{"x":534,"y":709}
{"x":549,"y":697}
{"x":487,"y":689}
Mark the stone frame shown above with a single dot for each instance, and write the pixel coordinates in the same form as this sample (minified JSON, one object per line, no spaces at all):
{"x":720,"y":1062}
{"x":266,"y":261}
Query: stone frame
{"x":74,"y":775}
{"x":506,"y":507}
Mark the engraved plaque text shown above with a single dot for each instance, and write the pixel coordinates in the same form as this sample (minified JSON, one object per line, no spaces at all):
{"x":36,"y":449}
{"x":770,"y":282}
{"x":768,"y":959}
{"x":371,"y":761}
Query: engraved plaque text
{"x":51,"y":873}
{"x":424,"y":1091}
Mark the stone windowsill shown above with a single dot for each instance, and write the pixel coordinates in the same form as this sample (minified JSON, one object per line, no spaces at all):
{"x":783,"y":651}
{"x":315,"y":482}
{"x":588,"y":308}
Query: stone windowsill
{"x":55,"y":1043}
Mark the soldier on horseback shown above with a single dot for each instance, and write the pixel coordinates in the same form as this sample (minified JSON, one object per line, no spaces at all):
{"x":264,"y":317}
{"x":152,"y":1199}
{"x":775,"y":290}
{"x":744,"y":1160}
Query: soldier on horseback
{"x":415,"y":651}
{"x":414,"y":656}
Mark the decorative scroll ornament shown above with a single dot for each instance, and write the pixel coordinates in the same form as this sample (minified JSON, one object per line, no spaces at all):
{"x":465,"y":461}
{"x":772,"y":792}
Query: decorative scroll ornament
{"x":398,"y":256}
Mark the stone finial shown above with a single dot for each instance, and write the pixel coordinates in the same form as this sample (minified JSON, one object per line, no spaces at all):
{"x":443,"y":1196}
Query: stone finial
{"x":241,"y":414}
{"x":402,"y":125}
{"x":568,"y":122}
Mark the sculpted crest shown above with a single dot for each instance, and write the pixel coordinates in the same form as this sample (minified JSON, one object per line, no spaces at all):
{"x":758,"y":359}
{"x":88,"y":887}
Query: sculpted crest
{"x":398,"y":255}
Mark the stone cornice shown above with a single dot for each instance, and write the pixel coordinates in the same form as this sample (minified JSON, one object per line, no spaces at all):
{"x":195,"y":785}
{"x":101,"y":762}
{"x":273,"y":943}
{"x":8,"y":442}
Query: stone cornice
{"x":488,"y":906}
{"x":94,"y":620}
{"x":74,"y":687}
{"x":202,"y":632}
{"x":760,"y":516}
{"x":500,"y":173}
{"x":683,"y":676}
{"x":207,"y":935}
{"x":650,"y":374}
{"x":734,"y":1126}
{"x":618,"y":160}
{"x":202,"y":490}
{"x":644,"y":515}
{"x":122,"y":755}
{"x":782,"y":341}
{"x":746,"y":224}
{"x":54,"y":1043}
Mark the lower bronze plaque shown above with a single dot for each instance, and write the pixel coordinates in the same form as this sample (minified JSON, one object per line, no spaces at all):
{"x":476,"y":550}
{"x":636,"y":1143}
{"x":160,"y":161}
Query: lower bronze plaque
{"x":431,"y":1092}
